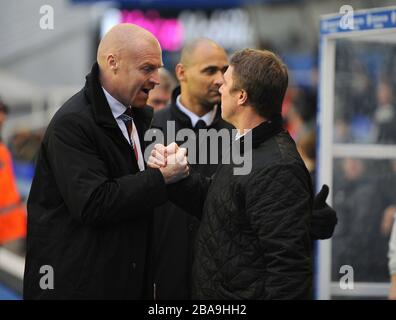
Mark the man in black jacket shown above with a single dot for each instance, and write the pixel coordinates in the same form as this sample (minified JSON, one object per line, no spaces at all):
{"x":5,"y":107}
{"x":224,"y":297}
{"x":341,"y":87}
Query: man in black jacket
{"x":91,"y":201}
{"x":200,"y":73}
{"x":254,"y":238}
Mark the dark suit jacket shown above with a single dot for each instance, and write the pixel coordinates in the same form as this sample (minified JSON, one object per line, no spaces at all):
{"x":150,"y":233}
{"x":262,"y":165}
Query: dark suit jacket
{"x":90,"y":208}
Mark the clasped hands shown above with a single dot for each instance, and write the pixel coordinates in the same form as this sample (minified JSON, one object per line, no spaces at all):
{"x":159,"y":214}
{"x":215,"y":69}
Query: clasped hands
{"x":171,"y":161}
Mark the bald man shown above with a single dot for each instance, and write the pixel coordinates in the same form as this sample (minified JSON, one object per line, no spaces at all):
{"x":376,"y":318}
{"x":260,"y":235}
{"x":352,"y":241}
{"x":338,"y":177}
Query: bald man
{"x":91,"y":201}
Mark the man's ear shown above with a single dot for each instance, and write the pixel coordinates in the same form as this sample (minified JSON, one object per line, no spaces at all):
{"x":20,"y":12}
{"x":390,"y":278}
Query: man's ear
{"x":112,"y":63}
{"x":242,"y":97}
{"x":180,"y":72}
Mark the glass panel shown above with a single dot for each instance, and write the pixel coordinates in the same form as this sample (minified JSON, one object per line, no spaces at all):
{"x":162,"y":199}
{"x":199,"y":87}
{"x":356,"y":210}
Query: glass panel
{"x":363,"y":195}
{"x":364,"y":84}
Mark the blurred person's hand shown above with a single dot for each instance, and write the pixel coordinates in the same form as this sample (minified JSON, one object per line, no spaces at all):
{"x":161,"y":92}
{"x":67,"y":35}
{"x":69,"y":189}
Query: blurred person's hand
{"x":324,"y":217}
{"x":387,"y":220}
{"x":392,"y":290}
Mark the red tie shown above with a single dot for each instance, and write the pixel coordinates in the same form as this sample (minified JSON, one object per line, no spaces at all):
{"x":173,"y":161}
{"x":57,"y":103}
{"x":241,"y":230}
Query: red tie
{"x":128,"y":124}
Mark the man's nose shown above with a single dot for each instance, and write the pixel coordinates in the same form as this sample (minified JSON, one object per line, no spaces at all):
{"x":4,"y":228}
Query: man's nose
{"x":155,"y":77}
{"x":219,"y":79}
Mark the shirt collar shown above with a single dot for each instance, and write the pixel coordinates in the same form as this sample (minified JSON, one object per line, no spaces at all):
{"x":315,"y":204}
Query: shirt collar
{"x":117,"y":108}
{"x":240,"y":135}
{"x":208,"y":117}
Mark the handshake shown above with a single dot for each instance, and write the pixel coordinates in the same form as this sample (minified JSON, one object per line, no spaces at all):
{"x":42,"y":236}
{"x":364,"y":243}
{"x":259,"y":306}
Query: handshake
{"x":171,"y":161}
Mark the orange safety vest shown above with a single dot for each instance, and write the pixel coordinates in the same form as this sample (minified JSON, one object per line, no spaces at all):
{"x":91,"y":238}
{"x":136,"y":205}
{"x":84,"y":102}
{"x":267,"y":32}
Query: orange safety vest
{"x":12,"y":209}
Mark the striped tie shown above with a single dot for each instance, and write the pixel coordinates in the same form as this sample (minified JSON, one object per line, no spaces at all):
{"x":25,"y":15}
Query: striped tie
{"x":127,"y":118}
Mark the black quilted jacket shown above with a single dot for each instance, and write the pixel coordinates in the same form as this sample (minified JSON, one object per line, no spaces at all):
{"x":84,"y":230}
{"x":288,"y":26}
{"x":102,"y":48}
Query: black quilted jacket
{"x":253,"y":241}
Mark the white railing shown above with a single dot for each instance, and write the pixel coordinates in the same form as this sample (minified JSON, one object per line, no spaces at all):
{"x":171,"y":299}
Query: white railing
{"x":39,"y":115}
{"x":12,"y":263}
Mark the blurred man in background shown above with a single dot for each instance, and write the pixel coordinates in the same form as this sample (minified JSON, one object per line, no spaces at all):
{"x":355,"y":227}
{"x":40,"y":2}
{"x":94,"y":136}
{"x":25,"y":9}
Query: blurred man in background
{"x":386,"y":189}
{"x":160,"y":96}
{"x":358,"y":241}
{"x":385,"y":114}
{"x":12,"y":208}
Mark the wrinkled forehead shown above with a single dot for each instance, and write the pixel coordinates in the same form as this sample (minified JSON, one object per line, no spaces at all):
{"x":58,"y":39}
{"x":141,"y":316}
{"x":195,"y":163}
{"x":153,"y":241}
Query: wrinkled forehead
{"x":213,"y":64}
{"x":205,"y":56}
{"x":144,"y":51}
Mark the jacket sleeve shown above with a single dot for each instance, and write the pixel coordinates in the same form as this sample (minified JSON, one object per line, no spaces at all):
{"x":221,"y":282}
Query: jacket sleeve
{"x":81,"y":175}
{"x":189,"y":194}
{"x":279,"y":206}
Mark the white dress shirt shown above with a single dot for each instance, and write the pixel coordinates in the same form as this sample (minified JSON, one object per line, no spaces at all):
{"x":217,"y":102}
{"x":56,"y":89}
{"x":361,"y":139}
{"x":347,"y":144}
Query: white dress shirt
{"x":208,"y":117}
{"x":240,"y":134}
{"x":117,"y":109}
